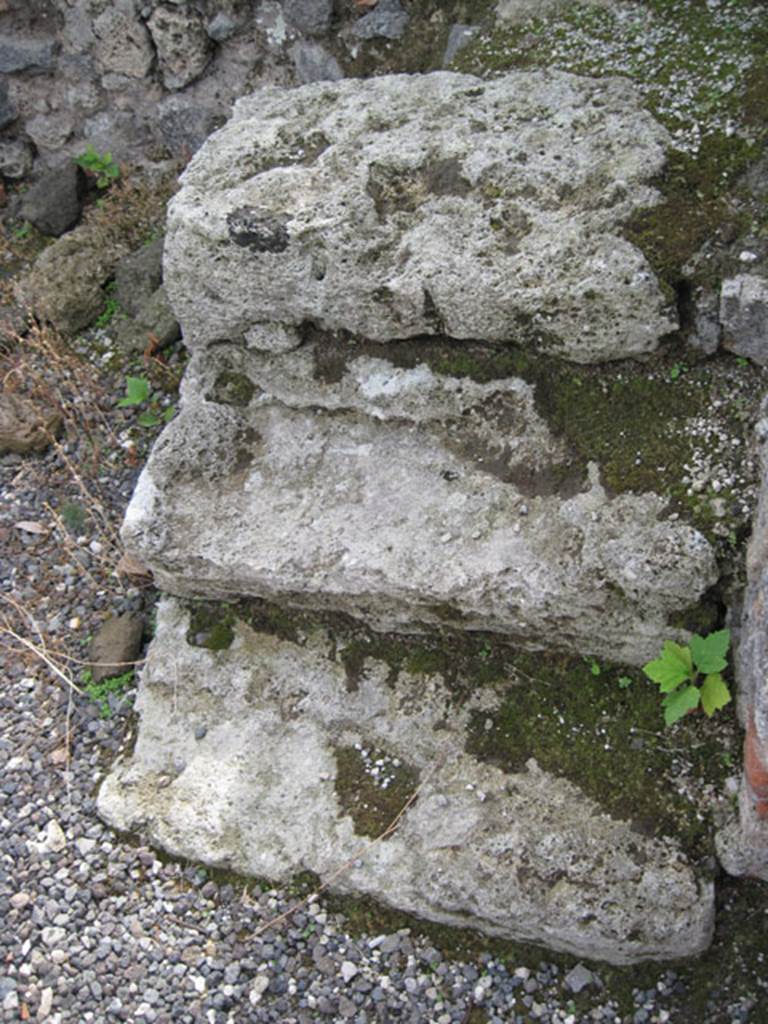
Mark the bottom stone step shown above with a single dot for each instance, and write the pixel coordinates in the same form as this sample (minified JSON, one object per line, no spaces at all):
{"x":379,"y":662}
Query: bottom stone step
{"x":268,"y":757}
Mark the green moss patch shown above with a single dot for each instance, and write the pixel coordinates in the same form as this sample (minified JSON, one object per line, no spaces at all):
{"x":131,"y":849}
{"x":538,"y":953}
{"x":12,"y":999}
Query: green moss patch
{"x":600,"y":727}
{"x":696,"y":208}
{"x":373,"y":787}
{"x":231,"y":388}
{"x":690,"y":60}
{"x":211,"y":625}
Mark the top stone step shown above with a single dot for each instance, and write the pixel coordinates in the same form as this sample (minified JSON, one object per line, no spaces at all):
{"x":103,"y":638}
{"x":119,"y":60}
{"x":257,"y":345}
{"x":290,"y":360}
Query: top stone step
{"x":414,"y":205}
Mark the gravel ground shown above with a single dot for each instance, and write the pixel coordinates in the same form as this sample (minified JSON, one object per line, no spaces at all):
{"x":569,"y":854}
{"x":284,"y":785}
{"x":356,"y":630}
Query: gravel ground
{"x":98,"y":927}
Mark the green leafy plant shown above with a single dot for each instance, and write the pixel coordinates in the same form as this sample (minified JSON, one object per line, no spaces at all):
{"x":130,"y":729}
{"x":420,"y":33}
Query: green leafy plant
{"x":625,"y":682}
{"x":111,"y":306}
{"x":100,"y":692}
{"x":679,"y":669}
{"x":138,"y":391}
{"x":485,"y":652}
{"x":101,"y":166}
{"x":22,"y":232}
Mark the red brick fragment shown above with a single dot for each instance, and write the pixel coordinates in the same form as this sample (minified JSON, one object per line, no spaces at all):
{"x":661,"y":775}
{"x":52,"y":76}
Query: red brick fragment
{"x":756,"y":769}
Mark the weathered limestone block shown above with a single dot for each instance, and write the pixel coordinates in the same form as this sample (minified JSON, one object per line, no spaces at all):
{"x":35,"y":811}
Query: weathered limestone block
{"x":183,"y":46}
{"x":65,"y":283}
{"x":404,"y":497}
{"x":403,"y":206}
{"x":239,"y":763}
{"x":123,"y":43}
{"x":744,"y":316}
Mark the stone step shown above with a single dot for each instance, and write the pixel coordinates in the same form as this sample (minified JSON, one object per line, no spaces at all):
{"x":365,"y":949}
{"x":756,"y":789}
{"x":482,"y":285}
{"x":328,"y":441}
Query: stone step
{"x":268,"y":756}
{"x":405,"y":498}
{"x":403,"y":205}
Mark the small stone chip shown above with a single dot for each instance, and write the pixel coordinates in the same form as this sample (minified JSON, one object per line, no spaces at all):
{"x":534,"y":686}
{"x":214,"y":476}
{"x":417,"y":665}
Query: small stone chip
{"x":579,"y":978}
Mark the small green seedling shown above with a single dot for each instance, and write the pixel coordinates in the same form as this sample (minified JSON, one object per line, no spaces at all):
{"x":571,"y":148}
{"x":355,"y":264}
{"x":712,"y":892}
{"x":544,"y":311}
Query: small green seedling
{"x":137,"y":391}
{"x":677,"y":370}
{"x":99,"y":692}
{"x":678,"y":673}
{"x":100,"y":165}
{"x":594,"y":666}
{"x":111,"y":306}
{"x":625,"y":682}
{"x":22,"y":232}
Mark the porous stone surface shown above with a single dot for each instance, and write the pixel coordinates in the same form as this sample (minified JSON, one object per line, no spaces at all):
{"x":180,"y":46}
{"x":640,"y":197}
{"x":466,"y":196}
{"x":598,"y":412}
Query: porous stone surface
{"x":138,"y":276}
{"x":50,"y":131}
{"x":744,"y":316}
{"x":387,"y":20}
{"x":239,"y":749}
{"x":313,"y":62}
{"x":8,"y":110}
{"x":183,"y":46}
{"x":54,"y":203}
{"x":65,"y":284}
{"x":25,"y":426}
{"x":443,"y":204}
{"x":310,"y":16}
{"x":15,"y":159}
{"x":405,"y":497}
{"x":152,"y":324}
{"x":123,"y":45}
{"x":18,"y":54}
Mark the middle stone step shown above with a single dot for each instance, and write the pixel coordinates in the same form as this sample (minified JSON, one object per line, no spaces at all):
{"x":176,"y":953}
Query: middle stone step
{"x":330,"y":478}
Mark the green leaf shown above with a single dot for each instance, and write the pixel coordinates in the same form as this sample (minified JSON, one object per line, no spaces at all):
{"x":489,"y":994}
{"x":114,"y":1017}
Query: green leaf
{"x":148,"y":419}
{"x":714,"y":694}
{"x":136,"y":391}
{"x":679,"y":703}
{"x":709,"y":652}
{"x":624,"y":682}
{"x":672,"y":668}
{"x":169,"y":413}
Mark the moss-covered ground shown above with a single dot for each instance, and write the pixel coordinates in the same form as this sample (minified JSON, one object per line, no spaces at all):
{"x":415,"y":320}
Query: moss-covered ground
{"x":373,"y":788}
{"x":696,"y":64}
